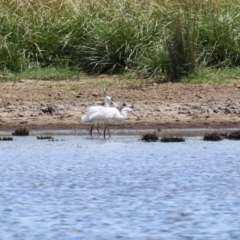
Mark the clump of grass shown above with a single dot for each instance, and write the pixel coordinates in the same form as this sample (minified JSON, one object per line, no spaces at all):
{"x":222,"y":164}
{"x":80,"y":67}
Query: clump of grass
{"x":212,"y":136}
{"x":172,"y":139}
{"x":181,"y":45}
{"x":22,"y":131}
{"x":110,"y":45}
{"x":234,"y":135}
{"x":150,"y":137}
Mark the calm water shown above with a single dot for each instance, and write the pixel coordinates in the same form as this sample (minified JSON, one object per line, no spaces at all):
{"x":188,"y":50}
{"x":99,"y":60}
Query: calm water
{"x":122,"y":188}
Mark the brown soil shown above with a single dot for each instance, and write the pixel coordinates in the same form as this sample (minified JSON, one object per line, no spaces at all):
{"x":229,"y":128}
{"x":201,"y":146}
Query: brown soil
{"x":38,"y":104}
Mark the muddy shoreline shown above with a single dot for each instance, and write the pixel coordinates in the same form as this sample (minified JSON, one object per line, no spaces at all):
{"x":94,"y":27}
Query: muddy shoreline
{"x":56,"y":105}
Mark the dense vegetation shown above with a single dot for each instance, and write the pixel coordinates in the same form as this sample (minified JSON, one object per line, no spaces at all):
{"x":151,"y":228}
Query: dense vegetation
{"x":168,"y":39}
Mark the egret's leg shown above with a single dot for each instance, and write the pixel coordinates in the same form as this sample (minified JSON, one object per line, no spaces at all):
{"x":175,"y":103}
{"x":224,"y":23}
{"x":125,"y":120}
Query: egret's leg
{"x":104,"y":133}
{"x":109,"y":131}
{"x":98,"y":128}
{"x":91,"y":130}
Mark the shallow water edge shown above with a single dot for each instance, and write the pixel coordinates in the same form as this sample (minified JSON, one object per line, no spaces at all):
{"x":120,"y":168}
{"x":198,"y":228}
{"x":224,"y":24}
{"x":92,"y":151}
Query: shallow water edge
{"x":178,"y":132}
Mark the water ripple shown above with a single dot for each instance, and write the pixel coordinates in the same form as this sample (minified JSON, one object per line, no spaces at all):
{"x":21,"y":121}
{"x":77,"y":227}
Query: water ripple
{"x":122,"y":188}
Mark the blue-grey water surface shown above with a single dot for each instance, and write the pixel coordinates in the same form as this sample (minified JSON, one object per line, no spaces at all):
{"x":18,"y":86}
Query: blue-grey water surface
{"x":120,"y":188}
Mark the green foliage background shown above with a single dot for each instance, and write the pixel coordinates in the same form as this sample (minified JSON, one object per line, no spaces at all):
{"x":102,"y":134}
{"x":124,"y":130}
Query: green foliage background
{"x":170,"y":39}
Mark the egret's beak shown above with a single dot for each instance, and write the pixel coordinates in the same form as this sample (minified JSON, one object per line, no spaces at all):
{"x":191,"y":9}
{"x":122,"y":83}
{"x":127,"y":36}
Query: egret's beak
{"x":136,"y":115}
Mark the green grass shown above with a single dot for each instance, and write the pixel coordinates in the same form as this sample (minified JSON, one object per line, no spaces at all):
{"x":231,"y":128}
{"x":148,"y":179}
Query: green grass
{"x":211,"y":76}
{"x":169,"y":40}
{"x":41,"y":74}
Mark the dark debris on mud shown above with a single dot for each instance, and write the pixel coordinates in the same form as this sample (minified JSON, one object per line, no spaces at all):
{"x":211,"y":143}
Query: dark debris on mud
{"x":49,"y":138}
{"x":172,"y":139}
{"x":44,"y":137}
{"x":208,"y":136}
{"x":6,"y":138}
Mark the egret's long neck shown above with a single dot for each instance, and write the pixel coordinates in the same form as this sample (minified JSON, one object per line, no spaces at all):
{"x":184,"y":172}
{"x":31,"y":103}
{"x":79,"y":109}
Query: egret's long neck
{"x":106,"y":103}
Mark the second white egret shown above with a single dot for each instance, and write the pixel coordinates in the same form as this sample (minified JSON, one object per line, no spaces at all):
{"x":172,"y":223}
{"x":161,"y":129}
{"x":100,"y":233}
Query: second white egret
{"x":110,"y":114}
{"x":86,"y":118}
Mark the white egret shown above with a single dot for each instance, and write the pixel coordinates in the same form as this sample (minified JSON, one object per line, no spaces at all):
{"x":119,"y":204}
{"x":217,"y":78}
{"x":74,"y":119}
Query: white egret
{"x":110,"y":114}
{"x":85,"y":118}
